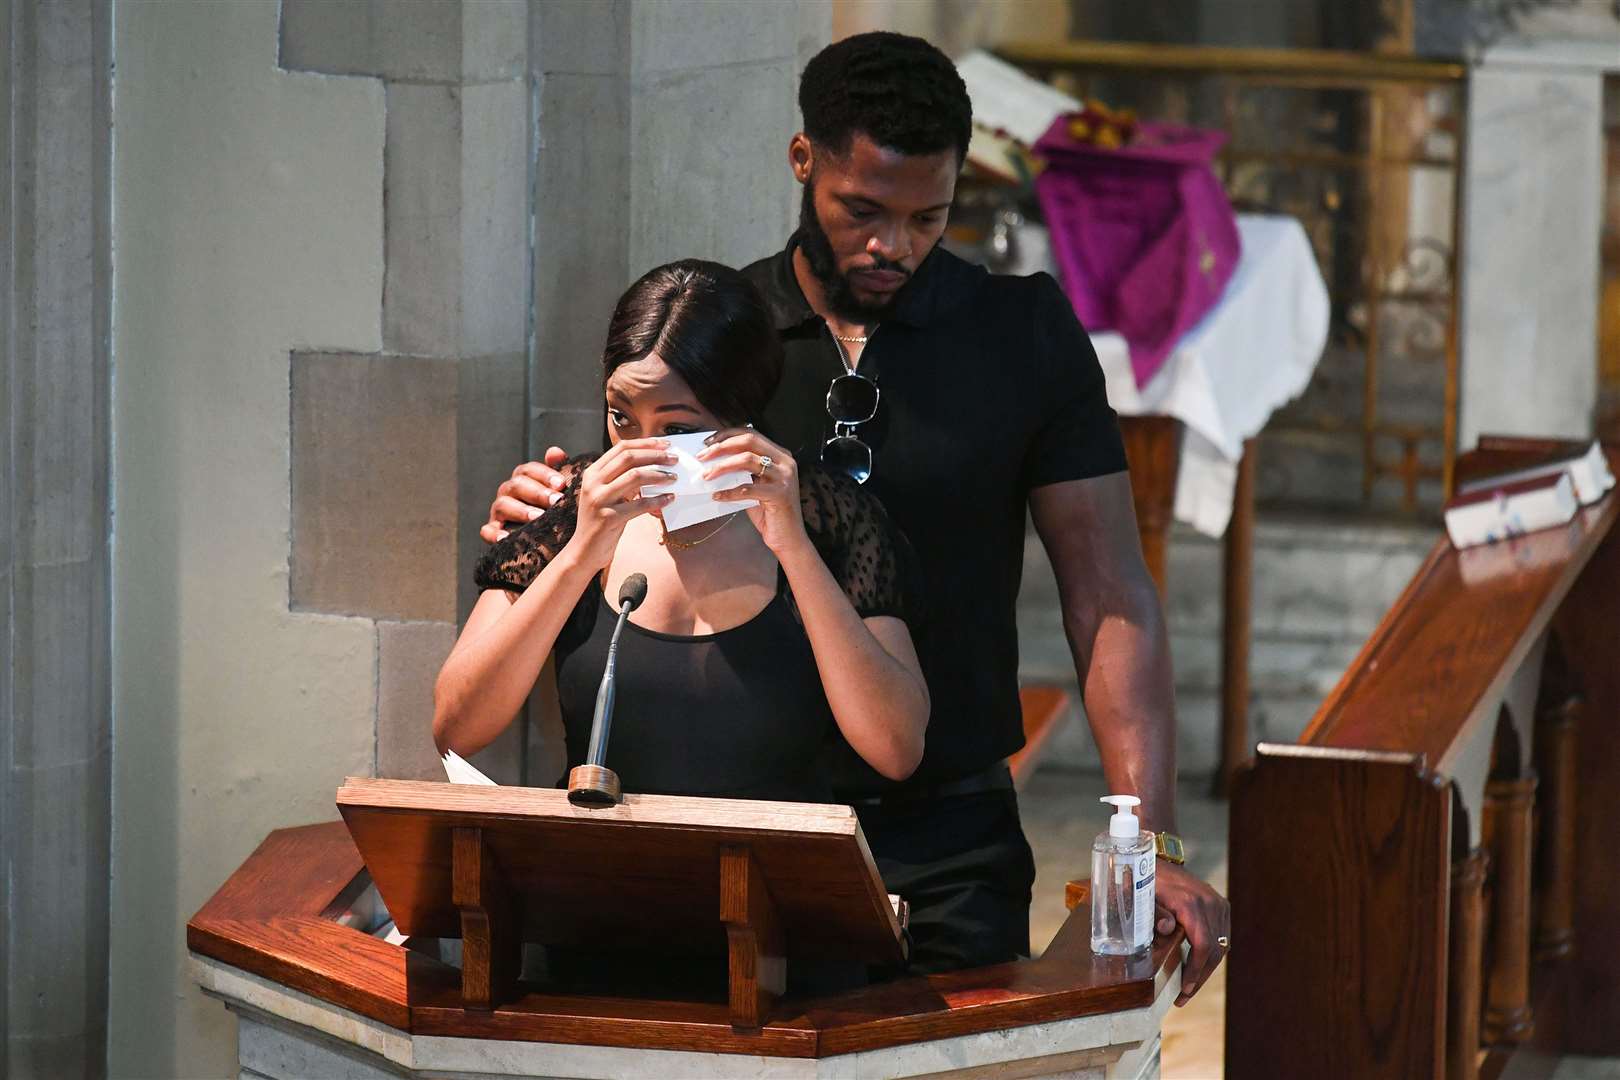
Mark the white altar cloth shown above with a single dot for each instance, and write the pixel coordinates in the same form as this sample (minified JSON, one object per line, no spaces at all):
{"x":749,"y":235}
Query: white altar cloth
{"x":1252,"y":353}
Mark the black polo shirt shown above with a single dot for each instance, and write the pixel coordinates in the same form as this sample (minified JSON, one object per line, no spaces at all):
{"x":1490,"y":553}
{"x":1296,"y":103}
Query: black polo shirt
{"x":989,"y":388}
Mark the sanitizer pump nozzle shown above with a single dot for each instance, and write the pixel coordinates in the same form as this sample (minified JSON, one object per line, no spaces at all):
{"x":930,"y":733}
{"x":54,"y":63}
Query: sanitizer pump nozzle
{"x":1123,"y":825}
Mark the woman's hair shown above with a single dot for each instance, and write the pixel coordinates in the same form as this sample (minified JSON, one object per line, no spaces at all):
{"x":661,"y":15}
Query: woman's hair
{"x":710,"y":325}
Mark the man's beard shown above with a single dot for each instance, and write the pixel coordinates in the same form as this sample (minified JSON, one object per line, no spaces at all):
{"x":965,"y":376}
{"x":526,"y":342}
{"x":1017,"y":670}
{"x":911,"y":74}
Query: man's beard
{"x":835,"y":287}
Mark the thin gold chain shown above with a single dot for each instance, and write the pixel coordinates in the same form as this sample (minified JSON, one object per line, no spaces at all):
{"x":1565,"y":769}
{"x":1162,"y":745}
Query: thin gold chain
{"x":682,"y":545}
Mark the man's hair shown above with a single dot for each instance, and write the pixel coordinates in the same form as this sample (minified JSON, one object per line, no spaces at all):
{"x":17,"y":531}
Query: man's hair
{"x":899,"y":91}
{"x":710,"y":325}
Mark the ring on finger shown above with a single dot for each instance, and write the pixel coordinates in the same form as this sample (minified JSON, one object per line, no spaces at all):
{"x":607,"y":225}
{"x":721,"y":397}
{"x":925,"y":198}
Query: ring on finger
{"x":764,"y":466}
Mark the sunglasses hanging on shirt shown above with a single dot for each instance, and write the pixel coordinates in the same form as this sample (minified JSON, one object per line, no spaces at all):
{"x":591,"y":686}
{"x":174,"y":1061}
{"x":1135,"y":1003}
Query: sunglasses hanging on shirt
{"x":852,"y":400}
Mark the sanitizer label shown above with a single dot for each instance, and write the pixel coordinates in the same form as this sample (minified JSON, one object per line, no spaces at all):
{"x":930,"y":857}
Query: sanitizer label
{"x":1143,"y":914}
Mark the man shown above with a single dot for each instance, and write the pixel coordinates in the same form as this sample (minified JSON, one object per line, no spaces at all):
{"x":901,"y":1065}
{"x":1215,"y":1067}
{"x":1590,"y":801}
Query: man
{"x":961,"y":399}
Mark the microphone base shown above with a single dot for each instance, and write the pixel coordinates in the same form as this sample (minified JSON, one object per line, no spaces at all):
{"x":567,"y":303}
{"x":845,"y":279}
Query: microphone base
{"x":593,"y":786}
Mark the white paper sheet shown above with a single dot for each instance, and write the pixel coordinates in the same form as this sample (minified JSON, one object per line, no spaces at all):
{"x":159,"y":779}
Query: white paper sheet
{"x":461,"y":771}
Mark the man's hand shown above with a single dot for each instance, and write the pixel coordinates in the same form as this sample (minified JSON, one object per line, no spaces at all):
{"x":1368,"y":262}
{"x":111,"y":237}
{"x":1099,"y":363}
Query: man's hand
{"x":1202,"y":912}
{"x":533,"y":488}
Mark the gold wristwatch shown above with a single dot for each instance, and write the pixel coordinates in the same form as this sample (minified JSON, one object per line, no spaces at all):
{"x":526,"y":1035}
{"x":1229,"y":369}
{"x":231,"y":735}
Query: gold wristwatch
{"x":1169,"y":847}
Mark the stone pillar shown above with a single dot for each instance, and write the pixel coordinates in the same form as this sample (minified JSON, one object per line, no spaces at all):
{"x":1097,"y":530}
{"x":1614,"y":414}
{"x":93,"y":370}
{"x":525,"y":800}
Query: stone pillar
{"x":1531,"y":221}
{"x":55,"y":715}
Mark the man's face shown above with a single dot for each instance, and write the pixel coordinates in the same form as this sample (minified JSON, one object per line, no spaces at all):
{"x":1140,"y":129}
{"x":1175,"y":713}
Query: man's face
{"x":869,"y":218}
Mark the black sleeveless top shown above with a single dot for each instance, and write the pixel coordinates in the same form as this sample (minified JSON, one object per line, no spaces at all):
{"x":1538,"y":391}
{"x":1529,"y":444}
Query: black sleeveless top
{"x":740,"y":713}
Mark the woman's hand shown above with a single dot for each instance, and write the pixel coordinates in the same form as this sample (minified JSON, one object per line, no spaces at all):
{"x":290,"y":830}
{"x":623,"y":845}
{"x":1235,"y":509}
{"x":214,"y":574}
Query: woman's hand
{"x":610,"y":495}
{"x":774,"y":484}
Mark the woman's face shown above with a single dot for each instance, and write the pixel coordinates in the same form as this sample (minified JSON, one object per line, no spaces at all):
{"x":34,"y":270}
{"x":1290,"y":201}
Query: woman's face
{"x":645,"y":399}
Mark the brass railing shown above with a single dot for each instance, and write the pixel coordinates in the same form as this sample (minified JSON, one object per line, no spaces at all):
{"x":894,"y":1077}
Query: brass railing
{"x":1366,"y":151}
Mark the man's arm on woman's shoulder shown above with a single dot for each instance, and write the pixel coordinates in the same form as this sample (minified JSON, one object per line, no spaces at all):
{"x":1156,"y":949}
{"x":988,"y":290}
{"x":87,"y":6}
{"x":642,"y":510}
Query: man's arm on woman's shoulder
{"x":533,"y":487}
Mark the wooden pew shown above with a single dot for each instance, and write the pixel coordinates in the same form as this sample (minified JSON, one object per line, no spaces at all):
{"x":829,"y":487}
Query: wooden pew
{"x":1426,"y":885}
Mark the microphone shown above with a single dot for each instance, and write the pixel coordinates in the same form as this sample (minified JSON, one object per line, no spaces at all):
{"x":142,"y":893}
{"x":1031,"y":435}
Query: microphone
{"x":593,"y":783}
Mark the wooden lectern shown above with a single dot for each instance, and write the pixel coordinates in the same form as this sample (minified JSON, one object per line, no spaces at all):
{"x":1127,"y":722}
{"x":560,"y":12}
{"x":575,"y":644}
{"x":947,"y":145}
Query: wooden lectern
{"x":762,"y":882}
{"x":291,"y":944}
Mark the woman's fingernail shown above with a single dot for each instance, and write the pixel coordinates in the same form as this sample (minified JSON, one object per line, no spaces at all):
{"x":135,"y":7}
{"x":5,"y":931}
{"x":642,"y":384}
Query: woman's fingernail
{"x":556,"y":497}
{"x":535,"y":511}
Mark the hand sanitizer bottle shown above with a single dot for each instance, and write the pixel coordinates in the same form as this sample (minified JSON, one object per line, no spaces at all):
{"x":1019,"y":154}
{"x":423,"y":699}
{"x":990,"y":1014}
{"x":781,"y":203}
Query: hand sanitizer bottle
{"x":1122,"y":865}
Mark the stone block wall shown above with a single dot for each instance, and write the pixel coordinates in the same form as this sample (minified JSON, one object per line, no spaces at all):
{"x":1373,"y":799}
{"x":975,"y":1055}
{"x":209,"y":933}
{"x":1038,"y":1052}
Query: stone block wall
{"x":395,"y":453}
{"x":365,"y":255}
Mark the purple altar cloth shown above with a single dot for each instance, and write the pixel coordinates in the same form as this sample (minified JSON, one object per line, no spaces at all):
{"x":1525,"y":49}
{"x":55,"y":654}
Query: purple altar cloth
{"x":1143,"y":235}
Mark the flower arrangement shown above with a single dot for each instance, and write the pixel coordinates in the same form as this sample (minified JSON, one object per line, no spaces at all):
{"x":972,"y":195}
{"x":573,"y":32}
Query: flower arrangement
{"x":1098,"y":125}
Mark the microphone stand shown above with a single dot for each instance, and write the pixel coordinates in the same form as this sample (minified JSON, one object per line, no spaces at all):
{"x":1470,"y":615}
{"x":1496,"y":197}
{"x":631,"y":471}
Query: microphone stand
{"x":593,"y":784}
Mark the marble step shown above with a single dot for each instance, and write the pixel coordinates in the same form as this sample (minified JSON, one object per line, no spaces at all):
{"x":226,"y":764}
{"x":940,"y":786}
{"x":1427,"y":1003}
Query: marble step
{"x":1321,"y":584}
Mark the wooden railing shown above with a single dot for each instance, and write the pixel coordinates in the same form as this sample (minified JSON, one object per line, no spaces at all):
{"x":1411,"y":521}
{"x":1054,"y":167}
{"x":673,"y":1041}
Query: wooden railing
{"x":1427,"y":882}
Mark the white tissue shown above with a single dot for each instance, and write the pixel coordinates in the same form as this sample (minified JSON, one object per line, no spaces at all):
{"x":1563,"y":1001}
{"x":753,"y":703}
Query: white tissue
{"x":694,"y":496}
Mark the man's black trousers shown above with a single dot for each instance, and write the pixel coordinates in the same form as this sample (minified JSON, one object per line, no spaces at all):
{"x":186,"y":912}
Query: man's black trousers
{"x":963,"y":865}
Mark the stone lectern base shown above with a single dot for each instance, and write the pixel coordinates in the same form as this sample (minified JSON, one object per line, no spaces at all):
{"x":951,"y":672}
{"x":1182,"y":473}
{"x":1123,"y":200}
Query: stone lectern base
{"x":284,"y":1034}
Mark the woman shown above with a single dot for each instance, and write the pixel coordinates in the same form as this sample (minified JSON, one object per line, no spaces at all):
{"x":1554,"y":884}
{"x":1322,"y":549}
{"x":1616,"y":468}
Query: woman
{"x":764,"y":632}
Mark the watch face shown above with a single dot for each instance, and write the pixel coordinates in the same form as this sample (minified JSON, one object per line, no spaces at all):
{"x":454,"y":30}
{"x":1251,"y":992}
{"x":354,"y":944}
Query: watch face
{"x":1170,"y":847}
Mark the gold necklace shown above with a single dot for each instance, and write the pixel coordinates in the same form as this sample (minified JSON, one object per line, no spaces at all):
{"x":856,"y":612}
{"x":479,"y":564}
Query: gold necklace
{"x":851,"y":339}
{"x":683,"y":545}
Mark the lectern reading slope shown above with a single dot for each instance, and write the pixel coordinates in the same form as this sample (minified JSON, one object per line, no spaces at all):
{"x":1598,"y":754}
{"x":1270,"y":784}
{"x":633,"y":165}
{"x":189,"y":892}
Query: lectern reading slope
{"x":763,"y":882}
